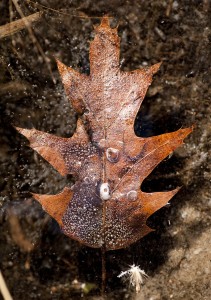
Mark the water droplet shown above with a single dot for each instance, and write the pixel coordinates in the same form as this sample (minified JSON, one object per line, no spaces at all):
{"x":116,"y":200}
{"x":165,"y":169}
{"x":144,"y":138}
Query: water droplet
{"x":112,"y":155}
{"x":132,"y":195}
{"x":86,"y":112}
{"x":87,"y":180}
{"x":104,"y":191}
{"x":102,"y":143}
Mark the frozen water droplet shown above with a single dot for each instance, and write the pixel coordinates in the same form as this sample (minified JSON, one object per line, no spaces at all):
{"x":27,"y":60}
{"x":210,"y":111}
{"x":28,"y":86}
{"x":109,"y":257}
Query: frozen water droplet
{"x":112,"y":155}
{"x":132,"y":195}
{"x":104,"y":191}
{"x":87,"y":180}
{"x":86,"y":112}
{"x":102,"y":143}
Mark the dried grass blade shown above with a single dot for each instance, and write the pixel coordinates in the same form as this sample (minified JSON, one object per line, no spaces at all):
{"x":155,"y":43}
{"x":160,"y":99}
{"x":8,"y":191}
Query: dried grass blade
{"x":15,"y":26}
{"x":4,"y":289}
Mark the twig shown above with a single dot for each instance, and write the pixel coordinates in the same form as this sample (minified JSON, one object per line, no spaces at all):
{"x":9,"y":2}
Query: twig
{"x":16,"y":87}
{"x":3,"y":288}
{"x":33,"y":37}
{"x":47,"y":8}
{"x":15,"y":26}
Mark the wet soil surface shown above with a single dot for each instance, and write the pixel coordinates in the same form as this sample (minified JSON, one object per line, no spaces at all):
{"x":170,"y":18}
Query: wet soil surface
{"x":36,"y":259}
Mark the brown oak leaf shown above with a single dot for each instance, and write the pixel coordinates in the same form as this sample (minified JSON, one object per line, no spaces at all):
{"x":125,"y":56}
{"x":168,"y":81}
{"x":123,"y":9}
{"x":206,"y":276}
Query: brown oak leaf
{"x":105,"y":207}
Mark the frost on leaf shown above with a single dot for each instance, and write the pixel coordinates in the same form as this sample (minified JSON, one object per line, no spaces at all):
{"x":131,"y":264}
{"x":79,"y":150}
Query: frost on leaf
{"x":105,"y":207}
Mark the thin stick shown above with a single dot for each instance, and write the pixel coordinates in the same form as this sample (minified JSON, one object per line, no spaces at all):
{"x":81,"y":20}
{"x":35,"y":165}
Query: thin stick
{"x":33,"y":38}
{"x":15,"y":26}
{"x":37,"y":5}
{"x":3,"y":288}
{"x":103,"y":251}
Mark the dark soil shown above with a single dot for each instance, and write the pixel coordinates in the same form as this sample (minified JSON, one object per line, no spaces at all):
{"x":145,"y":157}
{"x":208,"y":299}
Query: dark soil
{"x":36,"y":259}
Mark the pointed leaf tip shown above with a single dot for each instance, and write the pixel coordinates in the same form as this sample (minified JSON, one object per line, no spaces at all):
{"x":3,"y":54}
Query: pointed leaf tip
{"x":61,"y":67}
{"x":105,"y":22}
{"x":19,"y":129}
{"x":55,"y":205}
{"x":154,"y":68}
{"x":26,"y":132}
{"x":183,"y":133}
{"x":151,"y":202}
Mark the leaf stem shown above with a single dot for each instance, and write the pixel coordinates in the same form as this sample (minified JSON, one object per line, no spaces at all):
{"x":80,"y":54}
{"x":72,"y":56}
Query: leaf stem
{"x":103,"y":251}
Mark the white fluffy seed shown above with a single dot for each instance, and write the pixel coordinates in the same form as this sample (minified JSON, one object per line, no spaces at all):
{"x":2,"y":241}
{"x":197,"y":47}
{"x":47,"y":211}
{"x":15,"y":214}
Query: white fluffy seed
{"x":135,"y":275}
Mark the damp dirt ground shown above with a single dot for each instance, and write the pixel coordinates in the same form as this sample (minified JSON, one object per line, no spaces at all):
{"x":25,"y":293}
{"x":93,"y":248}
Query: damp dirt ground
{"x":36,"y":259}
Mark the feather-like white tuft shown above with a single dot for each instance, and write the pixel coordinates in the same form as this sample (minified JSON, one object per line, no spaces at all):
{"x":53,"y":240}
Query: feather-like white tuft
{"x":135,"y":275}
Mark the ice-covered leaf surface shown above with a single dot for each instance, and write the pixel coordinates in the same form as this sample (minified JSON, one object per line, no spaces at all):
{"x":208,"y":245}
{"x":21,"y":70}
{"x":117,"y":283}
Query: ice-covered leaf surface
{"x":105,"y":207}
